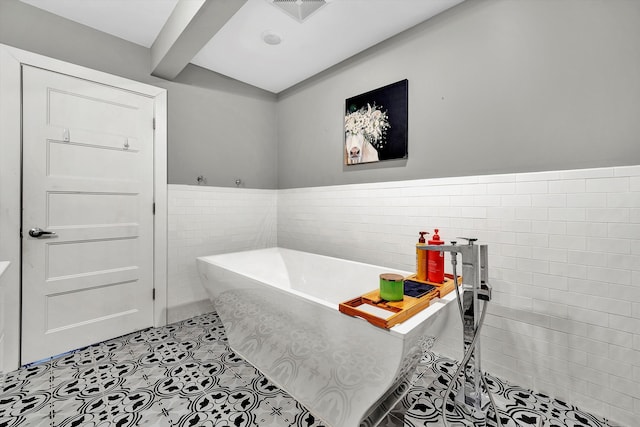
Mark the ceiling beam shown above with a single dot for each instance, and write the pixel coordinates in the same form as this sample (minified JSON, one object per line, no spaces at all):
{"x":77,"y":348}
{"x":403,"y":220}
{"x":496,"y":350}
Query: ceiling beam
{"x":191,"y":25}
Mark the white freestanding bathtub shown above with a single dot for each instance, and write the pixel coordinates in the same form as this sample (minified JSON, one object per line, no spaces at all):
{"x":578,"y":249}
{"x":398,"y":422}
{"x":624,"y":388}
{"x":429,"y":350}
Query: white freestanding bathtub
{"x":279,"y":308}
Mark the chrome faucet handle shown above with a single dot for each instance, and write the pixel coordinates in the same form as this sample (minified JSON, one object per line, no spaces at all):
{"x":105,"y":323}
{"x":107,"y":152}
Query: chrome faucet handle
{"x":470,"y":240}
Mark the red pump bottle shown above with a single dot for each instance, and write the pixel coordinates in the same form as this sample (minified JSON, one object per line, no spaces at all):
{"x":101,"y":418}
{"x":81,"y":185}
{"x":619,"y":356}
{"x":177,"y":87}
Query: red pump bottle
{"x":435,"y":270}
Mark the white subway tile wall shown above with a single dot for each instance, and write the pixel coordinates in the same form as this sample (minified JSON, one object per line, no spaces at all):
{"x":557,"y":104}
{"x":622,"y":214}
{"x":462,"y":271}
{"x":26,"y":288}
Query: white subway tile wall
{"x":564,"y":264}
{"x":207,"y":221}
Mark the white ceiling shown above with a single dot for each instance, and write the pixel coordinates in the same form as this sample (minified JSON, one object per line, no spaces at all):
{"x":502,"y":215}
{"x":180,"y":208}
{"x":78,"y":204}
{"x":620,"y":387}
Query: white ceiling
{"x":138,"y":21}
{"x":337,"y":31}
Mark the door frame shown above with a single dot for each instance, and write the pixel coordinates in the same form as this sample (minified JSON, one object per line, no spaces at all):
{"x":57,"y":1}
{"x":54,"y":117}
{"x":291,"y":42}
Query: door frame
{"x":11,"y":61}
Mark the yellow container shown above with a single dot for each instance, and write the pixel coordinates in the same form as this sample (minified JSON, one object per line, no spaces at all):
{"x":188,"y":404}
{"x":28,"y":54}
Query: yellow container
{"x":421,"y":262}
{"x":421,"y":257}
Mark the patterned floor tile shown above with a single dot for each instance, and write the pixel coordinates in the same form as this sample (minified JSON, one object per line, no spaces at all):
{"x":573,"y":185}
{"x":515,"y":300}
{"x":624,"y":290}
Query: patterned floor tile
{"x":236,"y":407}
{"x":85,"y":420}
{"x":174,"y":408}
{"x":185,"y":374}
{"x":285,"y":406}
{"x":66,"y":407}
{"x":304,"y":418}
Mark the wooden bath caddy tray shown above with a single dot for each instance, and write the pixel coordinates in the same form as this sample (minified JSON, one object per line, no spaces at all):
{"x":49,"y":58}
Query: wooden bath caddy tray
{"x":386,"y":314}
{"x":443,"y":288}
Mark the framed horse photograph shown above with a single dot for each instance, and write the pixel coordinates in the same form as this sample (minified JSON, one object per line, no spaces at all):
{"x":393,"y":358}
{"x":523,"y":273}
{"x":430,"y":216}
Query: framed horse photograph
{"x":375,"y":125}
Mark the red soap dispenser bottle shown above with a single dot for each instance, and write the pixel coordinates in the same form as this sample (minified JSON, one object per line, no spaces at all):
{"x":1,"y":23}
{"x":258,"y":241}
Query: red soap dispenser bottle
{"x":435,"y":271}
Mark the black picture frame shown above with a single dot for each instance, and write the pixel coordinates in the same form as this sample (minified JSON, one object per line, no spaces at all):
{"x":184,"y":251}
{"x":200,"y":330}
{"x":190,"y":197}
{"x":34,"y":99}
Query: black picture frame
{"x":381,"y":116}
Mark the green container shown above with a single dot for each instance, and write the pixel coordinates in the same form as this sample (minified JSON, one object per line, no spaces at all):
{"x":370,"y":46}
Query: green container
{"x":391,"y":287}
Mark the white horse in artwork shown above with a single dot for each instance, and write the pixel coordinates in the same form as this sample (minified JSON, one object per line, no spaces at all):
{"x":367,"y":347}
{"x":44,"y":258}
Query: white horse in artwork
{"x":359,"y":150}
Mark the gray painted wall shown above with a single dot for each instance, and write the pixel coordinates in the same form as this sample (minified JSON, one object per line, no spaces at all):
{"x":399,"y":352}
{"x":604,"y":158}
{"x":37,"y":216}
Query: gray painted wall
{"x":494,"y":86}
{"x":217,"y":127}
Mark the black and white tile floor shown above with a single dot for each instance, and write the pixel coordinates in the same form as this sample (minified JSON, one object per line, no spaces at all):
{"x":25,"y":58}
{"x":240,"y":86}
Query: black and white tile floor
{"x":184,"y":374}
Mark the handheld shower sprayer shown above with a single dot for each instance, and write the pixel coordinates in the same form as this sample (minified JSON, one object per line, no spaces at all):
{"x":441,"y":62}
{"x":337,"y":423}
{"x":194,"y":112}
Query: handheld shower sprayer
{"x":475,"y":288}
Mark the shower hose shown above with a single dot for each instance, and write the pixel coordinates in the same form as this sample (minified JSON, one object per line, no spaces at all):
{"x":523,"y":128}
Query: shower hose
{"x":467,"y":355}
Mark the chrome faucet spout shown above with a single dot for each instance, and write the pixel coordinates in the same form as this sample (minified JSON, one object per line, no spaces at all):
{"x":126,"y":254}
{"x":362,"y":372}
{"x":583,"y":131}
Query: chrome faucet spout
{"x":441,"y":248}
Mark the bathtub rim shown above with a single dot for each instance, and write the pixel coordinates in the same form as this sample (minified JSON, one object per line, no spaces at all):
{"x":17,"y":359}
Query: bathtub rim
{"x":401,"y":329}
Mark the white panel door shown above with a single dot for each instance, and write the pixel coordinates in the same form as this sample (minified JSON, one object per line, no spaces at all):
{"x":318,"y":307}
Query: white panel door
{"x":88,"y":178}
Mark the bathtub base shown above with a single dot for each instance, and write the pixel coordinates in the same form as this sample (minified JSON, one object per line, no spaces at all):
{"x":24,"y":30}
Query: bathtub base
{"x":344,"y":370}
{"x":388,"y":403}
{"x":379,"y":410}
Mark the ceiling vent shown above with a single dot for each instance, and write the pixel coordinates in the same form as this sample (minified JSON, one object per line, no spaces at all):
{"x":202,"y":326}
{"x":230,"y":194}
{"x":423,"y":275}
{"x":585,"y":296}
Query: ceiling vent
{"x":299,"y":9}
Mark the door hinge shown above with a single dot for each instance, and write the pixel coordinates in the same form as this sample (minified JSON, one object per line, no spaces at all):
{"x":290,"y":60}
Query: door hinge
{"x":154,"y":123}
{"x":153,"y":294}
{"x":153,"y":208}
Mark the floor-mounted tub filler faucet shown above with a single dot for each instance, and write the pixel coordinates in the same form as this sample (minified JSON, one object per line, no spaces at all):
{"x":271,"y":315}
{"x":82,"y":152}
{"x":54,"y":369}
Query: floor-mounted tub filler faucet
{"x":475,"y":288}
